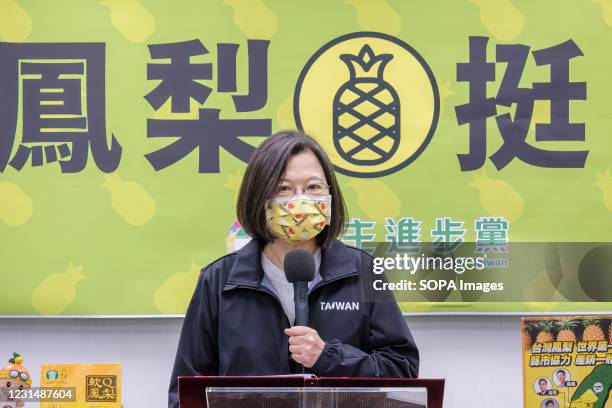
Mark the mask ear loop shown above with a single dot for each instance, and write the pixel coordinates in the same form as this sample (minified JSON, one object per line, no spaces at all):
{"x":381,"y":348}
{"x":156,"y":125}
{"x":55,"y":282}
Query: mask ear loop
{"x":267,"y":205}
{"x":329,"y":204}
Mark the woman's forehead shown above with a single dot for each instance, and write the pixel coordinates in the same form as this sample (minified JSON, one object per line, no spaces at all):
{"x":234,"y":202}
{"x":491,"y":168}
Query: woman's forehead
{"x":303,"y":166}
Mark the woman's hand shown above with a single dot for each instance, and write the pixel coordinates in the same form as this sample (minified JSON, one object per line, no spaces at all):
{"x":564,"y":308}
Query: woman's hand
{"x":305,"y":345}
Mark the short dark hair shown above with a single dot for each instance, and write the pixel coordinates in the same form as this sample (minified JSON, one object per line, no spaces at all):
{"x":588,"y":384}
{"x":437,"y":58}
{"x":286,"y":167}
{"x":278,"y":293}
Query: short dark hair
{"x":264,"y":172}
{"x":543,"y":379}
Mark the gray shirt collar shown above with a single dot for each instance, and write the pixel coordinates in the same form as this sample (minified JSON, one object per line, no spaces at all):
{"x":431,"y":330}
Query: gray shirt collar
{"x":274,"y":279}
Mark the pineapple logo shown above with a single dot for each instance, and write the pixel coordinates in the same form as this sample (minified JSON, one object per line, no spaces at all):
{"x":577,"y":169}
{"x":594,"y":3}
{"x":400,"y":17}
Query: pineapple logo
{"x":370,"y":100}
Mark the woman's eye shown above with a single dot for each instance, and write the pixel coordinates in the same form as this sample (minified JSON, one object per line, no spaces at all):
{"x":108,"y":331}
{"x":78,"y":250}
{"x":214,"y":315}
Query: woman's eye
{"x":8,"y":384}
{"x":284,"y":190}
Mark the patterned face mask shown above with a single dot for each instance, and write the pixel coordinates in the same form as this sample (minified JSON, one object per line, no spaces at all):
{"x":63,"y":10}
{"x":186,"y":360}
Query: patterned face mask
{"x":298,"y":218}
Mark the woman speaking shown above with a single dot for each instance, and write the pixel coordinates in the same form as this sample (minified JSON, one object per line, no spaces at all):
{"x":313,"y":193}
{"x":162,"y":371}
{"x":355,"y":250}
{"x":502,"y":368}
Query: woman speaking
{"x":240,"y":320}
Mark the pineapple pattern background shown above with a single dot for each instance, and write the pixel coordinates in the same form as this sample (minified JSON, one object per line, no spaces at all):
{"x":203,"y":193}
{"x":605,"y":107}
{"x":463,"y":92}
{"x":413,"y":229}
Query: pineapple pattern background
{"x":140,"y":237}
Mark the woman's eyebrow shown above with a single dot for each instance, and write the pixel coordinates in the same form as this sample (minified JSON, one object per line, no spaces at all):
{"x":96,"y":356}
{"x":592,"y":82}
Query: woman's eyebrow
{"x":316,"y":178}
{"x":308,"y":179}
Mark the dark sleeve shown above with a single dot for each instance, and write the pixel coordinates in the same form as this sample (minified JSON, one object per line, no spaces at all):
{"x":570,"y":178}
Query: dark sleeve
{"x":197,"y":349}
{"x":393,"y":352}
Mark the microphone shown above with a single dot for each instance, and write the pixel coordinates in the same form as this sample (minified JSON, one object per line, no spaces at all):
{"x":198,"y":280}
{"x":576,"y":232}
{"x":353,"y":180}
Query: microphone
{"x":299,"y":266}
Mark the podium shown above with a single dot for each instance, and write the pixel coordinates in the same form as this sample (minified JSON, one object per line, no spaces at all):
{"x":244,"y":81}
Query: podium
{"x":306,"y":391}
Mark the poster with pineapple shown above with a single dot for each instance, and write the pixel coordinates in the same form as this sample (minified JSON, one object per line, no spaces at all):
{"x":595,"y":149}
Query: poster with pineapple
{"x":126,"y":128}
{"x":567,"y":361}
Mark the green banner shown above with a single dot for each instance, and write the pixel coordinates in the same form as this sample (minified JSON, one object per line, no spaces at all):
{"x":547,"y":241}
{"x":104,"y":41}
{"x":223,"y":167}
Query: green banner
{"x":126,"y":126}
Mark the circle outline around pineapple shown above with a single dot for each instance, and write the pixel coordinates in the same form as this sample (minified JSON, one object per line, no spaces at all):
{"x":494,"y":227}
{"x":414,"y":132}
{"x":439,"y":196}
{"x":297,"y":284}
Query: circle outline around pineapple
{"x":419,"y":59}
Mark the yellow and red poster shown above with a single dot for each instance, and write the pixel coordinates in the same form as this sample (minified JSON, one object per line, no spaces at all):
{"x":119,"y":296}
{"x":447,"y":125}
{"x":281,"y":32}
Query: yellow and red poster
{"x":93,"y":385}
{"x":567,"y":361}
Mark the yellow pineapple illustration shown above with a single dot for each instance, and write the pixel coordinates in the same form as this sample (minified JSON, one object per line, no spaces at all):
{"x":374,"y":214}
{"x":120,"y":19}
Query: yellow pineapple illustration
{"x":501,"y":18}
{"x":131,"y":19}
{"x":370,"y":194}
{"x":377,"y":15}
{"x":540,"y":114}
{"x":498,"y":197}
{"x":254,"y":18}
{"x":446,"y":90}
{"x":540,"y":287}
{"x":165,"y":111}
{"x":604,"y":181}
{"x":15,"y":206}
{"x":131,"y":201}
{"x":541,"y":306}
{"x":15,"y":22}
{"x":570,"y":284}
{"x":606,"y":6}
{"x":416,"y":307}
{"x":284,"y":113}
{"x":173,"y":296}
{"x":57,"y":291}
{"x":233,"y":183}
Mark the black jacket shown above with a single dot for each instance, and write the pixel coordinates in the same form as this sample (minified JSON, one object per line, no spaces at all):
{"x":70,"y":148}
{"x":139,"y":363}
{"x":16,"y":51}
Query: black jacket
{"x":234,"y":326}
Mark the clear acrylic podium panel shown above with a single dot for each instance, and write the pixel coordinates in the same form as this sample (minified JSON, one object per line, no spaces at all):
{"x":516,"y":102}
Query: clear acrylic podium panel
{"x":316,"y":397}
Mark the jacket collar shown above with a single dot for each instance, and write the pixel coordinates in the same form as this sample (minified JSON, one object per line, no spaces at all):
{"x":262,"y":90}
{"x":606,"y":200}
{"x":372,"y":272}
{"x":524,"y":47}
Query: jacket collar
{"x":336,"y":263}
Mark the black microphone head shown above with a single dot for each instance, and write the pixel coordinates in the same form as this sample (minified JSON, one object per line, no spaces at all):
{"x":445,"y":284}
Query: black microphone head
{"x":299,"y":266}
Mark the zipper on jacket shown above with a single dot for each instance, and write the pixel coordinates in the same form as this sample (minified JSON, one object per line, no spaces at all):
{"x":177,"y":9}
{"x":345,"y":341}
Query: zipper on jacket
{"x":322,"y":283}
{"x":288,"y":364}
{"x":285,"y":343}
